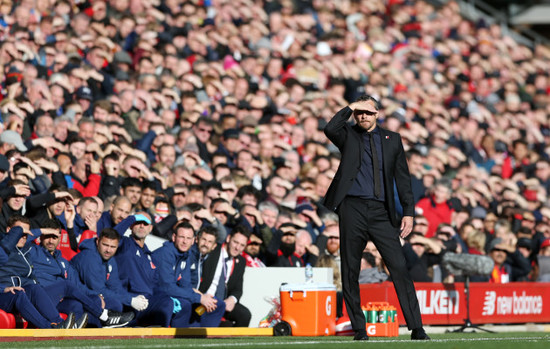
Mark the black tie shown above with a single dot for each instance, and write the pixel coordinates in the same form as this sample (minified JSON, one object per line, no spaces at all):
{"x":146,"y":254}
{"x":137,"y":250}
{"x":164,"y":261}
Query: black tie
{"x":375,"y":166}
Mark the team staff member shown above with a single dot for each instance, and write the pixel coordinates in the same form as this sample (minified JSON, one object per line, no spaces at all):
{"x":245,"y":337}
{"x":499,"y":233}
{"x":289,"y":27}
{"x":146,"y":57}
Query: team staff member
{"x":137,"y":271}
{"x":23,"y":293}
{"x":177,"y":262}
{"x":98,"y":270}
{"x":222,"y":276}
{"x":362,"y":192}
{"x":59,"y":278}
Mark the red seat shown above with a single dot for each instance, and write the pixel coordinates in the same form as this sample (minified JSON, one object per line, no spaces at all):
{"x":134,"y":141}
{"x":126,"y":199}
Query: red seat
{"x":87,"y":234}
{"x":65,"y":246}
{"x":7,"y":320}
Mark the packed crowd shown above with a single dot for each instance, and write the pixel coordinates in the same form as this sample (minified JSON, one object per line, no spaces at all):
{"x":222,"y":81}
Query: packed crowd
{"x":201,"y":122}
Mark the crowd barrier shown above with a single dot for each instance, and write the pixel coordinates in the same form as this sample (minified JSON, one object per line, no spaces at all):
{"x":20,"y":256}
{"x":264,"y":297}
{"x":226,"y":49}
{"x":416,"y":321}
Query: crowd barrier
{"x":445,"y":304}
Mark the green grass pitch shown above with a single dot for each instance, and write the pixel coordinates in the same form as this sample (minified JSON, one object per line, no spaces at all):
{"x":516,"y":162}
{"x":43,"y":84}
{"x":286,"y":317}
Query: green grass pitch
{"x":517,"y":340}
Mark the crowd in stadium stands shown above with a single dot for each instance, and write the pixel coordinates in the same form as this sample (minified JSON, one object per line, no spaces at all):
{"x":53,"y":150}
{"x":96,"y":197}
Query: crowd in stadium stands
{"x":201,"y":122}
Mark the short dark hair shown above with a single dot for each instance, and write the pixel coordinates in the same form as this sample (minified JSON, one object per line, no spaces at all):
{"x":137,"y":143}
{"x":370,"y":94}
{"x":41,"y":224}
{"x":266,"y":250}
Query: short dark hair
{"x":210,"y":230}
{"x":147,"y":184}
{"x":241,"y":229}
{"x":109,"y":233}
{"x":365,"y":98}
{"x":249,"y":189}
{"x":87,"y":199}
{"x":18,"y":218}
{"x":50,"y":223}
{"x":183,"y":225}
{"x":130,"y":182}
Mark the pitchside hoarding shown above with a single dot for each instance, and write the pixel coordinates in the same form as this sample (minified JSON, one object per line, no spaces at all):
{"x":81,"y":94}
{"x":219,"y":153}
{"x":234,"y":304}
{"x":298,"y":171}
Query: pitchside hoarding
{"x":445,"y":304}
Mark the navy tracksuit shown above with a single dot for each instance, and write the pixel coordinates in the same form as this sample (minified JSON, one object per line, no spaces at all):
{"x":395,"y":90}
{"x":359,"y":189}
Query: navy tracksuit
{"x":101,"y":276}
{"x":176,"y":277}
{"x":58,"y":277}
{"x":33,"y":304}
{"x":137,"y":274}
{"x":17,"y":271}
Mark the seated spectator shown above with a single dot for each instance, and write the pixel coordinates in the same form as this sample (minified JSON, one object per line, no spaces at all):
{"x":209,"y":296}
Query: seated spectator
{"x":510,"y":265}
{"x":252,"y":252}
{"x":541,"y":268}
{"x":120,"y":209}
{"x":281,"y":251}
{"x":476,"y":242}
{"x":305,"y":249}
{"x":422,"y":254}
{"x":435,"y":207}
{"x":369,"y":273}
{"x":329,"y":242}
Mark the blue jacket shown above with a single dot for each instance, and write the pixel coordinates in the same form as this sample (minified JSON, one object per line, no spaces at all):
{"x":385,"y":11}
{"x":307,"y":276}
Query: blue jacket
{"x":136,"y":268}
{"x":177,"y":272}
{"x":79,"y":225}
{"x":52,"y":268}
{"x":98,"y":275}
{"x":104,"y":221}
{"x":19,"y":264}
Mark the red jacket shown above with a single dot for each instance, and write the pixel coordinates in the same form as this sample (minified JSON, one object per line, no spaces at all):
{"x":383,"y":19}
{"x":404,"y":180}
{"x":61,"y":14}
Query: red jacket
{"x":91,"y":188}
{"x":434,"y":213}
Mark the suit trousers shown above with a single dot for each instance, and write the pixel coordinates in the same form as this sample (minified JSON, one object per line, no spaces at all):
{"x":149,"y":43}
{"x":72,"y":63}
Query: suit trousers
{"x":360,"y":221}
{"x":240,"y":316}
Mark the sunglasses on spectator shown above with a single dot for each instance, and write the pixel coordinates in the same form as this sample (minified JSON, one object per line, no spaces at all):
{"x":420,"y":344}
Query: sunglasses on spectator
{"x":205,"y":130}
{"x":289,"y":233}
{"x":254,"y":244}
{"x":499,"y":249}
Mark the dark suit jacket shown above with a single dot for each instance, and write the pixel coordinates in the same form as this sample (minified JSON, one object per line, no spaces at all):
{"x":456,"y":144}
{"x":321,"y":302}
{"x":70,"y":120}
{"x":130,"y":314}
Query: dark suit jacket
{"x":348,"y":139}
{"x":234,"y":284}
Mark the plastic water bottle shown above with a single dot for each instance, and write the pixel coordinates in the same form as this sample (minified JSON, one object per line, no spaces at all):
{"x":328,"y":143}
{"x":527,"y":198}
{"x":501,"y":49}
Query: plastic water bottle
{"x":309,"y":274}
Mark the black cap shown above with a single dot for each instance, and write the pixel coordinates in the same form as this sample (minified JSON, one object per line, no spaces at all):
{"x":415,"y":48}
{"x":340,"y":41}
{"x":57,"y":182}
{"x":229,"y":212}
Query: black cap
{"x":84,"y":92}
{"x":525,"y":242}
{"x":231,"y":133}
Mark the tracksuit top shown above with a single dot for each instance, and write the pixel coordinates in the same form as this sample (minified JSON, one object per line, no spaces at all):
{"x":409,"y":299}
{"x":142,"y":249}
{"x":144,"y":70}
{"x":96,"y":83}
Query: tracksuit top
{"x":18,"y":268}
{"x":136,"y":267}
{"x":52,"y":268}
{"x":177,"y":272}
{"x":98,"y":275}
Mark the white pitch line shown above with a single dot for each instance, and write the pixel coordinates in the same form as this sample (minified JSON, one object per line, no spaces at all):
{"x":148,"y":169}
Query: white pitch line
{"x":179,"y":343}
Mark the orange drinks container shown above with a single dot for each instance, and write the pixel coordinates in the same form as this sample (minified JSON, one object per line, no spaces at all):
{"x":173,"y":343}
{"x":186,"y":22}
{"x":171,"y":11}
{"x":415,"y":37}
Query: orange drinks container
{"x":309,"y":309}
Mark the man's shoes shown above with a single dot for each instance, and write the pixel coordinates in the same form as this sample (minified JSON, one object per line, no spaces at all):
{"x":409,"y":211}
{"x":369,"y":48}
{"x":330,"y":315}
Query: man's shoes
{"x":360,"y":336}
{"x":82,"y":322}
{"x":418,"y":334}
{"x":66,"y":324}
{"x":116,"y":319}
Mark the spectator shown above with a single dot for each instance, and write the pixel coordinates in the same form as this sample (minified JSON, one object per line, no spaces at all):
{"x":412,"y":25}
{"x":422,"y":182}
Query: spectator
{"x":369,"y":271}
{"x":436,"y":207}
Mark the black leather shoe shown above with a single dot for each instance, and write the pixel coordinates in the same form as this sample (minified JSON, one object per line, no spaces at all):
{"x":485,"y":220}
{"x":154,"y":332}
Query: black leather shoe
{"x":418,"y":334}
{"x":361,"y":336}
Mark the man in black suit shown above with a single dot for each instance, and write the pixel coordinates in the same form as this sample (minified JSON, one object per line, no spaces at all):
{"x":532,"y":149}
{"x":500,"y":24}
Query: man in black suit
{"x":222,"y":276}
{"x":362,"y":193}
